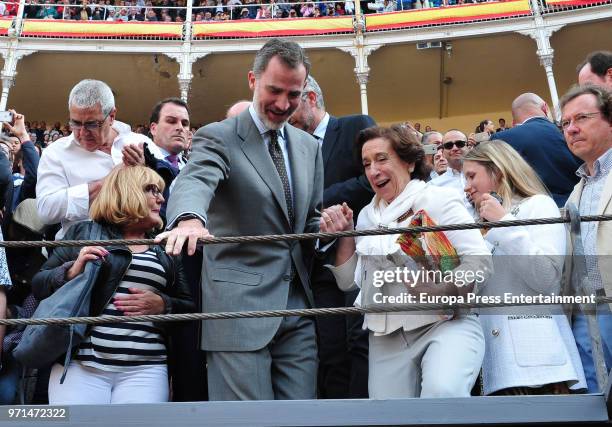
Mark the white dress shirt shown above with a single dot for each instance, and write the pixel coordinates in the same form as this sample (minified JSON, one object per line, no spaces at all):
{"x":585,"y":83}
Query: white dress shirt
{"x":66,"y":169}
{"x":162,"y":154}
{"x":319,"y":132}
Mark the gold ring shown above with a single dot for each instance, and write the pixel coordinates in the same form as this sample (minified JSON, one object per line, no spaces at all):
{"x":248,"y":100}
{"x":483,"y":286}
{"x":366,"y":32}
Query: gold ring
{"x":329,"y":220}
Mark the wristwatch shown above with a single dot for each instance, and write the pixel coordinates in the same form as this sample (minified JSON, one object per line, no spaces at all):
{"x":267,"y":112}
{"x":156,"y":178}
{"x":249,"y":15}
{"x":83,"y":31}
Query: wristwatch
{"x":186,"y":217}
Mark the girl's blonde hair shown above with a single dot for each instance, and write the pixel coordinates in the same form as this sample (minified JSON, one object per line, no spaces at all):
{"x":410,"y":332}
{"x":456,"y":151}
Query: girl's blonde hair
{"x":122,"y":199}
{"x":513,"y":175}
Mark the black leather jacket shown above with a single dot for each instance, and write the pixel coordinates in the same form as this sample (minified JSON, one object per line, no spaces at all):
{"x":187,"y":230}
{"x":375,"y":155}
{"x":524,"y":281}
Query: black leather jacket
{"x":51,"y":277}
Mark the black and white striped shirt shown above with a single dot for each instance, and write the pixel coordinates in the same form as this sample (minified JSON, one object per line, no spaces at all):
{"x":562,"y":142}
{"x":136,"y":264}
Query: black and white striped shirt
{"x":117,"y":347}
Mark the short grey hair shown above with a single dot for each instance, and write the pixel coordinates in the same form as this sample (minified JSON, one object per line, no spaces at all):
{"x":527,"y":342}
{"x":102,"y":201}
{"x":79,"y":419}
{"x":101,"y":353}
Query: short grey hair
{"x":90,"y":93}
{"x":427,"y":135}
{"x":313,"y":86}
{"x":290,"y":53}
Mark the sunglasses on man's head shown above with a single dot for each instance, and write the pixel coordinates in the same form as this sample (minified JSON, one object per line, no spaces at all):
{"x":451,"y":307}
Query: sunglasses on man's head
{"x":449,"y":145}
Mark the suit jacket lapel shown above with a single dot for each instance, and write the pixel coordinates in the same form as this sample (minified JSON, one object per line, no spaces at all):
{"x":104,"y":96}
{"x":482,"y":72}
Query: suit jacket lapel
{"x":255,"y":150}
{"x":576,"y":193}
{"x":606,"y":196}
{"x":331,"y":136}
{"x":299,"y":174}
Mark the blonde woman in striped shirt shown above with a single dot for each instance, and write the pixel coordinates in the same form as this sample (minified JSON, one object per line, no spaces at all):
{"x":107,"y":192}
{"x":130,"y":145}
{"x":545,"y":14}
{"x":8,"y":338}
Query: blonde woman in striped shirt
{"x":120,"y":362}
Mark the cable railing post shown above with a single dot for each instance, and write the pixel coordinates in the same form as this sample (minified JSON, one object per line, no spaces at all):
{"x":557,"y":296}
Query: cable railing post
{"x":534,"y":5}
{"x":187,"y":28}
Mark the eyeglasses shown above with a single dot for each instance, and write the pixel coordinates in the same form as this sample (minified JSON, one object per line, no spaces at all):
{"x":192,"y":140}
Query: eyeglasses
{"x":90,"y":126}
{"x":305,"y":93}
{"x":449,"y":145}
{"x":153,"y":190}
{"x":578,"y":119}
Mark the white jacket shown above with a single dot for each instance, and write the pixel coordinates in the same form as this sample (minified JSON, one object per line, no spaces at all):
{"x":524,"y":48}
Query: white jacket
{"x":444,"y":206}
{"x":528,"y":347}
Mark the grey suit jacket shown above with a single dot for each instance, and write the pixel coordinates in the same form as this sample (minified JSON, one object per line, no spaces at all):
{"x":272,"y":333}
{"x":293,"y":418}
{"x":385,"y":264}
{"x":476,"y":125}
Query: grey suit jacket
{"x":232,"y":183}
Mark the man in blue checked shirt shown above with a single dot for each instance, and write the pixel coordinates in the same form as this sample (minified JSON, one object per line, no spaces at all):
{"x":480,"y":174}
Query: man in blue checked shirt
{"x":587,"y":126}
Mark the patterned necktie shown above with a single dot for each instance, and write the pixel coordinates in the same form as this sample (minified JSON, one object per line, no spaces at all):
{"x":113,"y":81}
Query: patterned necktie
{"x":173,"y":160}
{"x":277,"y":157}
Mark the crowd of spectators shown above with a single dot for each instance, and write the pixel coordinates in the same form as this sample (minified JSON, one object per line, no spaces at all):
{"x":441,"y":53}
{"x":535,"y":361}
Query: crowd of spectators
{"x":54,"y":178}
{"x":207,"y":10}
{"x":42,"y":135}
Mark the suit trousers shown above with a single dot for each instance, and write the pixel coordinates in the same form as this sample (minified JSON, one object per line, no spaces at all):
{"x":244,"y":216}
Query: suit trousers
{"x":438,"y":360}
{"x":342,"y":341}
{"x":285,"y":369}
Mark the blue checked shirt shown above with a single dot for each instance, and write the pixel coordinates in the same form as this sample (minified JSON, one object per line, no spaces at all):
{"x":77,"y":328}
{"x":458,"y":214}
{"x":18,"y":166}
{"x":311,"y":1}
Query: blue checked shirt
{"x":589,"y":202}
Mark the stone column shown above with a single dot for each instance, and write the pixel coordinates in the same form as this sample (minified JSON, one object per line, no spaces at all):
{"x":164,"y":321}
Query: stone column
{"x":186,"y":60}
{"x":360,"y":52}
{"x":362,"y":71}
{"x":542,"y":34}
{"x":11,"y":57}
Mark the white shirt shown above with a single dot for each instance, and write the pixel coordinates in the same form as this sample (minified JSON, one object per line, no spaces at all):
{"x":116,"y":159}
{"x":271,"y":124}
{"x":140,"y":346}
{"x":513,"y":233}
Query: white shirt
{"x":319,"y":132}
{"x":530,"y":118}
{"x":454,"y":179}
{"x":263,"y":130}
{"x":162,"y":154}
{"x":66,"y":168}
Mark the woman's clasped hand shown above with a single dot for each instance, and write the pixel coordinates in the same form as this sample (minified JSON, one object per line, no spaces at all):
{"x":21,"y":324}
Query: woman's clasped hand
{"x":337,"y":218}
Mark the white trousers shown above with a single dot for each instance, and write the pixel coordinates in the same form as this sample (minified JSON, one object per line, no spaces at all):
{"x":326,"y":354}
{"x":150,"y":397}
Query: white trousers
{"x":85,"y":385}
{"x":439,"y":360}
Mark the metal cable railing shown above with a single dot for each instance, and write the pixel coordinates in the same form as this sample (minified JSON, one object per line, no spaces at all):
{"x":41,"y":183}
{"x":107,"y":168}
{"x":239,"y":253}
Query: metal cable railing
{"x":291,"y":237}
{"x":310,"y":236}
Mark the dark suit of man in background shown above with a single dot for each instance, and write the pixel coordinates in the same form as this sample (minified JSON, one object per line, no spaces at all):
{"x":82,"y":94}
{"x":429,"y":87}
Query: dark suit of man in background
{"x":542,"y":145}
{"x":170,"y":131}
{"x":343,"y":344}
{"x":253,"y":174}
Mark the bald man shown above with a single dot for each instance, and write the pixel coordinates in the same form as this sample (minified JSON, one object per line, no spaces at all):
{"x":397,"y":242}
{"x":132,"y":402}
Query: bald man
{"x":237,"y":108}
{"x":454,"y":148}
{"x":542,"y":145}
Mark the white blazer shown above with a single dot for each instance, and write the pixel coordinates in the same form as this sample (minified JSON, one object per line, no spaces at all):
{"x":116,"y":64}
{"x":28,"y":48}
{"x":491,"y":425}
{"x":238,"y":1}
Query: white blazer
{"x":528,"y":347}
{"x":444,"y":206}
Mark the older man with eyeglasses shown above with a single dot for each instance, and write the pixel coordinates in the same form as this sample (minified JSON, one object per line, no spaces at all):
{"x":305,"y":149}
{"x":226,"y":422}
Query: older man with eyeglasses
{"x":454,"y":147}
{"x":72,"y":169}
{"x":586,"y":119}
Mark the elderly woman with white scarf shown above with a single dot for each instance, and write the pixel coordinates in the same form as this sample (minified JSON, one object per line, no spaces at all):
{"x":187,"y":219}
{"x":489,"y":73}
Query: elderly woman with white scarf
{"x":410,"y":355}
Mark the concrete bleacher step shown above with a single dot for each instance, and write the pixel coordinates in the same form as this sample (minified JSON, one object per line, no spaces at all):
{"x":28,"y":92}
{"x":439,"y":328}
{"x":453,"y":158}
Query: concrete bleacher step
{"x":502,"y":410}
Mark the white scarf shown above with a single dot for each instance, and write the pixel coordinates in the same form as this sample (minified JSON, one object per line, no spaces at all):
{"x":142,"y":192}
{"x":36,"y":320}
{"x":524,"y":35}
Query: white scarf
{"x":380,"y":213}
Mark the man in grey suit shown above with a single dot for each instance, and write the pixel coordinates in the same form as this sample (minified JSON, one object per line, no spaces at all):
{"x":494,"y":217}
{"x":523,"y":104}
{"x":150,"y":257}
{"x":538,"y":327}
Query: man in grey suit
{"x":255,"y":175}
